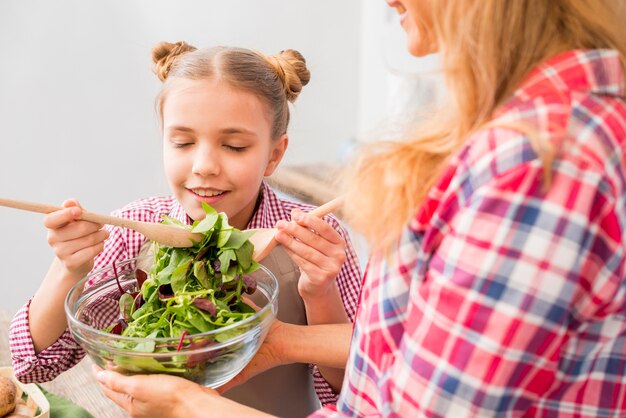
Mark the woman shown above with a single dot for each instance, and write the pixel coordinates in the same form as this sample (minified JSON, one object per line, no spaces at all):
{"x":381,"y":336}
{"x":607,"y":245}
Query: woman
{"x":498,"y":272}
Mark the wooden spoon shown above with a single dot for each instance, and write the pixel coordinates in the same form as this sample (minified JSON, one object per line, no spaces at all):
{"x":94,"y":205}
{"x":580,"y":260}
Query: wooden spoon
{"x":263,"y":238}
{"x":169,"y":235}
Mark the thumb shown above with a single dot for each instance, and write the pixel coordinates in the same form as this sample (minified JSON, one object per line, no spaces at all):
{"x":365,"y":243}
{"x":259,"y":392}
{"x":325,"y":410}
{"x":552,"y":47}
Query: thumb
{"x":71,"y":202}
{"x":112,"y":380}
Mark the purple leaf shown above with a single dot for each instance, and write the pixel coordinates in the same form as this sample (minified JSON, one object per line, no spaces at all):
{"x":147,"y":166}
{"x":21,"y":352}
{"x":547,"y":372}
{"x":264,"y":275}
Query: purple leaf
{"x":165,"y":292}
{"x":141,"y":277}
{"x":249,"y":284}
{"x":206,"y":305}
{"x":119,"y":327}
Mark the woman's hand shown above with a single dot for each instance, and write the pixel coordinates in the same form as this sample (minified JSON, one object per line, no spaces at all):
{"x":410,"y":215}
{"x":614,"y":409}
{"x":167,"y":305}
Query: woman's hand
{"x":158,"y":395}
{"x":317,"y":248}
{"x":75,"y":243}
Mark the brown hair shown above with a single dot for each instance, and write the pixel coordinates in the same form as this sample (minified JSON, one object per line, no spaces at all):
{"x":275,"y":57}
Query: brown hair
{"x":275,"y":79}
{"x":487,"y":48}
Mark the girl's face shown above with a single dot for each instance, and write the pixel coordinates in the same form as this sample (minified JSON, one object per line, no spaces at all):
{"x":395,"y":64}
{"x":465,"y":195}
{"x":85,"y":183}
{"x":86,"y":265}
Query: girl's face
{"x":217,"y":148}
{"x":416,"y":19}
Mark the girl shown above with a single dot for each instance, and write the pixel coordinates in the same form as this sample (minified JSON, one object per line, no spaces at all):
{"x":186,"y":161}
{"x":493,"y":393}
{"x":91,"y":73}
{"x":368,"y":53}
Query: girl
{"x":224,"y":115}
{"x":497,"y":285}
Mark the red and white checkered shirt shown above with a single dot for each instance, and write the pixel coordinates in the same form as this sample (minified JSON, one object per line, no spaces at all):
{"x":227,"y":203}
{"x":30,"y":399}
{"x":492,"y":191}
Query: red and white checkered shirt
{"x":125,"y":243}
{"x":502,"y":299}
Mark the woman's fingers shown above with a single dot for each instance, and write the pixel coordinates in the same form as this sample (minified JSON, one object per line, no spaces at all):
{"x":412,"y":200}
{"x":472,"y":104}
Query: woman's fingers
{"x":115,"y":386}
{"x":114,"y":381}
{"x":122,"y":399}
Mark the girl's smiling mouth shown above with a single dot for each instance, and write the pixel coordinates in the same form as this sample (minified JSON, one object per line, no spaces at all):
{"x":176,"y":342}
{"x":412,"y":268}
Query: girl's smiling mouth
{"x":207,"y":195}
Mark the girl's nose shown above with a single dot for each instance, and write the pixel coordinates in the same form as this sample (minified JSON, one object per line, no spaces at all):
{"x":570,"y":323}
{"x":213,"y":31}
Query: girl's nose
{"x":206,"y":164}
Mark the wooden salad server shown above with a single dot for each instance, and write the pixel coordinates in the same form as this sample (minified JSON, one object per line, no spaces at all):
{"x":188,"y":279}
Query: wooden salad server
{"x":263,"y":238}
{"x":169,"y":235}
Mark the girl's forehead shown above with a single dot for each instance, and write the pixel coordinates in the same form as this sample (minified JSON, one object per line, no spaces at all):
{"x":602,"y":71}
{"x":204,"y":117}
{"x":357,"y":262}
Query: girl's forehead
{"x":211,"y":103}
{"x":211,"y":92}
{"x":205,"y":85}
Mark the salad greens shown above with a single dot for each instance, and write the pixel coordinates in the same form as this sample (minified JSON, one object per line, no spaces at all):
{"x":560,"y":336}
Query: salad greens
{"x":189,"y":290}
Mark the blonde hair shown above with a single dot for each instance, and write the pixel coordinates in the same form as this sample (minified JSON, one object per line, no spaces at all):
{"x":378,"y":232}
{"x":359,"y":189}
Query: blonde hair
{"x":487,"y":48}
{"x":274,"y":79}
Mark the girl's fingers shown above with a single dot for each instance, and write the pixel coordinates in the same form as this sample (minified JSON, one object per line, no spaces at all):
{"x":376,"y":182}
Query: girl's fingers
{"x":61,"y":218}
{"x":301,"y":262}
{"x":80,"y":261}
{"x":320,"y":226}
{"x":297,"y":245}
{"x":307,"y":243}
{"x":326,"y":242}
{"x":72,"y":231}
{"x":71,"y":203}
{"x":82,"y":256}
{"x":72,"y":242}
{"x":306,"y":257}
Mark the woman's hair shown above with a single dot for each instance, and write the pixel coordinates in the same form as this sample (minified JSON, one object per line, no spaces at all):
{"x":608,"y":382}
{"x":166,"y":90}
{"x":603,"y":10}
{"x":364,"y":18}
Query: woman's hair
{"x":274,"y":79}
{"x":487,"y":49}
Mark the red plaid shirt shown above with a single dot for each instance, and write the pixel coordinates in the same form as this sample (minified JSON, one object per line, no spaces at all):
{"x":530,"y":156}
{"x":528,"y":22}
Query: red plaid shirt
{"x":125,"y":243}
{"x":502,"y":299}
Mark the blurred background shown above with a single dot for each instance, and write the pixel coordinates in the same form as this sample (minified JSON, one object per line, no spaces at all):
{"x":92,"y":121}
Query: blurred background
{"x":77,"y":94}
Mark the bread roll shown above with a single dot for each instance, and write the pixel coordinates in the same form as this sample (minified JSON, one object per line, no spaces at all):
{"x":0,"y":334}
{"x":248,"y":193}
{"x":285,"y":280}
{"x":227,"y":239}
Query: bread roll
{"x":8,"y":393}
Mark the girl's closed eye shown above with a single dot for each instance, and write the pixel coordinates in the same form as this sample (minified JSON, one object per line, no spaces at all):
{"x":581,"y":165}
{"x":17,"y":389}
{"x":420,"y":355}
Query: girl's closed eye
{"x":180,"y":142}
{"x":235,"y":148}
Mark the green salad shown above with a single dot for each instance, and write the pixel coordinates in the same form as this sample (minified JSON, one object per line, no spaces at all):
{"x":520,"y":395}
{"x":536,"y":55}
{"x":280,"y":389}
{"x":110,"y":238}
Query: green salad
{"x":188,"y":291}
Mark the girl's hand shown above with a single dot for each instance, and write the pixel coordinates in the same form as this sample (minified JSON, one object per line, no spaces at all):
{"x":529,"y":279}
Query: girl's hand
{"x":75,"y":243}
{"x":317,"y":248}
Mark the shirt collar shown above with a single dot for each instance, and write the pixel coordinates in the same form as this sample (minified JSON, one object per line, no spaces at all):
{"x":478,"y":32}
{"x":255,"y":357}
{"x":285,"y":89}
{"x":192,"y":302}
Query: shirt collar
{"x":179,"y":213}
{"x":269,"y":211}
{"x":598,"y":71}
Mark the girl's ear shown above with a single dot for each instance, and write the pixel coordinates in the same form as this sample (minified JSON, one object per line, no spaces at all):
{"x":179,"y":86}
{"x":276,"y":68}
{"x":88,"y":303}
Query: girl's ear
{"x":276,"y":154}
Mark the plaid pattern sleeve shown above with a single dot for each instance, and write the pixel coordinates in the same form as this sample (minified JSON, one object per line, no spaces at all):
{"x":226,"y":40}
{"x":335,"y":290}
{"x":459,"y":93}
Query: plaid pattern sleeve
{"x":65,"y":352}
{"x":503,"y":298}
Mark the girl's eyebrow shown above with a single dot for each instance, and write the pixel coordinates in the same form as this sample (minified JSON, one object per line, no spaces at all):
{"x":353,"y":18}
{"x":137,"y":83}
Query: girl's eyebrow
{"x":224,"y":131}
{"x":179,"y":128}
{"x":231,"y":131}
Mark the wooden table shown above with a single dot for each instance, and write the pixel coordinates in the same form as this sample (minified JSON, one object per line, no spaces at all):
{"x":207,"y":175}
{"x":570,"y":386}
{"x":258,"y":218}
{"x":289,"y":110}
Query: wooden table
{"x":77,"y":384}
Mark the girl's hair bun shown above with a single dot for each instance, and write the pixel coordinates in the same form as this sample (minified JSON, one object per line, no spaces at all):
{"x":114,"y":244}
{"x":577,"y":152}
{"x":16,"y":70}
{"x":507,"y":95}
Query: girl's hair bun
{"x":290,"y":66}
{"x":164,"y":54}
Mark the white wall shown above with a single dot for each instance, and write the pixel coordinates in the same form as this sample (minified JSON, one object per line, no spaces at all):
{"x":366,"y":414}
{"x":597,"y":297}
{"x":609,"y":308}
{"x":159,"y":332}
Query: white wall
{"x":395,"y":88}
{"x":77,"y":94}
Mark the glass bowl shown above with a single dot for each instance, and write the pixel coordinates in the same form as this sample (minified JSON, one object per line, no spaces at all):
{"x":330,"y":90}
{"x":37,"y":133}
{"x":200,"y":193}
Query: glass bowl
{"x":211,"y":358}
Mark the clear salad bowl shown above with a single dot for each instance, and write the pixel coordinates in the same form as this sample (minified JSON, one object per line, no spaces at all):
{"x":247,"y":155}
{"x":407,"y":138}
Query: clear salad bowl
{"x":211,"y":358}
